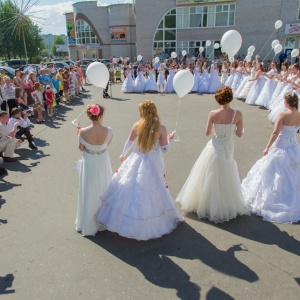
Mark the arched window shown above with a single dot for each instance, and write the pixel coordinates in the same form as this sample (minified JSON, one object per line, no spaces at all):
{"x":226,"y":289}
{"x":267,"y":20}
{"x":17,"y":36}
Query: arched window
{"x":85,"y":34}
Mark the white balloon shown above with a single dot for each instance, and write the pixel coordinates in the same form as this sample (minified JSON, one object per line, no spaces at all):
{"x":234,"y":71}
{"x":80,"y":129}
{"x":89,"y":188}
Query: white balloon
{"x":216,"y":45}
{"x":156,"y":59}
{"x":231,"y":59}
{"x":97,"y":74}
{"x":274,"y":43}
{"x":295,"y":53}
{"x":183,"y":82}
{"x":231,"y":42}
{"x":249,"y":53}
{"x":278,"y":24}
{"x":251,"y":49}
{"x":121,"y":58}
{"x":208,"y":43}
{"x":277,"y":48}
{"x":201,"y":49}
{"x":173,"y":54}
{"x":248,"y":58}
{"x":75,"y":122}
{"x":139,"y":57}
{"x":183,"y":53}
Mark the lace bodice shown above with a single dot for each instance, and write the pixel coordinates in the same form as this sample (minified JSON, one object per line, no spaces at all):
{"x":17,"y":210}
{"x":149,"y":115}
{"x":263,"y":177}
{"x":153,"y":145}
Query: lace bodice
{"x":224,"y":132}
{"x":96,"y":149}
{"x":287,"y":137}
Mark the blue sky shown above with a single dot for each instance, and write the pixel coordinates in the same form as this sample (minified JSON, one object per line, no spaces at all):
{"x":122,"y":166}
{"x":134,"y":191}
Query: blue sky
{"x":53,"y":13}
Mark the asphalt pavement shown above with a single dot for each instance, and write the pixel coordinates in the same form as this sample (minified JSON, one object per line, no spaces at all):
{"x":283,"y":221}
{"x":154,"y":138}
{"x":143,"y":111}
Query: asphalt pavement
{"x":43,"y":257}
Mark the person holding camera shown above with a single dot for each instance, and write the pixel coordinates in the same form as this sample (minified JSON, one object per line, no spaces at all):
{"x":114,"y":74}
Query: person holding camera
{"x":21,"y":117}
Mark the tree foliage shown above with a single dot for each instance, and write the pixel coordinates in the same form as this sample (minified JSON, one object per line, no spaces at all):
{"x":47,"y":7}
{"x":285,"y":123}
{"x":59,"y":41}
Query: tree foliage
{"x":14,"y":25}
{"x":58,"y":40}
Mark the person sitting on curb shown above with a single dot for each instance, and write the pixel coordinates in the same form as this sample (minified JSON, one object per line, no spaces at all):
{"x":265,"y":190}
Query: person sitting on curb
{"x":7,"y":143}
{"x":24,"y":124}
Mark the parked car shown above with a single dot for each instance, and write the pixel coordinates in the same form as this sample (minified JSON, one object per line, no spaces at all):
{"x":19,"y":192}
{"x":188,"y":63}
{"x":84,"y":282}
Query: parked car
{"x":16,"y":63}
{"x":59,"y":64}
{"x":70,"y":62}
{"x":33,"y":66}
{"x":3,"y":64}
{"x":104,"y":61}
{"x":10,"y":72}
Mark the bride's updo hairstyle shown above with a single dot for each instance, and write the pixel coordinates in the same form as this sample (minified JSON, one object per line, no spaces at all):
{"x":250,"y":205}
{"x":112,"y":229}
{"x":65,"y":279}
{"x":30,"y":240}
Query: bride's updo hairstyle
{"x":224,"y":95}
{"x":147,"y":126}
{"x":94,"y":111}
{"x":292,"y":100}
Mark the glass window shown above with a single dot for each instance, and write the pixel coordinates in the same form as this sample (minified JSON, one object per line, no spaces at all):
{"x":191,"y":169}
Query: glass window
{"x":161,"y":24}
{"x":84,"y":33}
{"x":298,"y":14}
{"x":195,"y":20}
{"x":170,"y":22}
{"x":290,"y":42}
{"x":159,"y":36}
{"x":170,"y":35}
{"x":222,"y":19}
{"x":231,"y":18}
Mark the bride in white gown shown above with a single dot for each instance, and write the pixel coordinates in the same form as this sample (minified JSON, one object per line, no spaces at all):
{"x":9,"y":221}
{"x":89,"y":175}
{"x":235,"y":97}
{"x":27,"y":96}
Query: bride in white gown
{"x":272,"y":187}
{"x":213,"y":188}
{"x":138,"y":203}
{"x":95,"y":171}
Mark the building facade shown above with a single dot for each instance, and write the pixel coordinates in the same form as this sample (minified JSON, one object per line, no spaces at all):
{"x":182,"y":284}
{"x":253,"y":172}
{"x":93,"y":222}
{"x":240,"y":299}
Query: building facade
{"x":49,"y":38}
{"x":156,"y":27}
{"x":103,"y":31}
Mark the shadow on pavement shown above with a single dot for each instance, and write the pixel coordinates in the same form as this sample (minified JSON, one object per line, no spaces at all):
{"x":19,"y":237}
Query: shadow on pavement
{"x":152,"y":258}
{"x":254,"y":228}
{"x":5,"y":283}
{"x":215,"y":293}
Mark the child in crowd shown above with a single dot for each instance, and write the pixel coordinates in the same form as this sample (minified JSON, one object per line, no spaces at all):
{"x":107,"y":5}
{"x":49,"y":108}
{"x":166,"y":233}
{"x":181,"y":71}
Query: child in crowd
{"x":66,"y":78}
{"x":38,"y":97}
{"x":49,"y":95}
{"x":56,"y":85}
{"x":72,"y":89}
{"x":21,"y":98}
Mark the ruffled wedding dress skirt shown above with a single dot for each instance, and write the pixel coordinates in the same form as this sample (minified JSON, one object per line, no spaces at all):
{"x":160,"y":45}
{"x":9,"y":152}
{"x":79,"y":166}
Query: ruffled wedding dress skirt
{"x":272,"y":187}
{"x":138,"y":203}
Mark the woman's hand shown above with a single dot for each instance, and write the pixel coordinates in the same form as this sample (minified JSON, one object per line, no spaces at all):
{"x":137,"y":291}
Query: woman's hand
{"x":265,"y":152}
{"x":171,"y":136}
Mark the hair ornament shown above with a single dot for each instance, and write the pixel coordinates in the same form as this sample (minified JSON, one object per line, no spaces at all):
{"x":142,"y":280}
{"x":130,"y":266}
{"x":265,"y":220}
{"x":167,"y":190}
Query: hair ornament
{"x":95,"y":110}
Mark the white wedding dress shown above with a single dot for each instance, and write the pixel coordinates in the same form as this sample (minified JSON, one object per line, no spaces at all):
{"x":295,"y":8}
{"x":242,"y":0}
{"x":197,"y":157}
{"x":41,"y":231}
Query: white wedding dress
{"x":138,"y":203}
{"x":213,"y":188}
{"x":272,"y":187}
{"x":95,"y":174}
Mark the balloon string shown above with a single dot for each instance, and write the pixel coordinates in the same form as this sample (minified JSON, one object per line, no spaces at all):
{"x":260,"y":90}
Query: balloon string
{"x":267,"y":55}
{"x":179,"y":102}
{"x":88,"y":104}
{"x":267,"y":42}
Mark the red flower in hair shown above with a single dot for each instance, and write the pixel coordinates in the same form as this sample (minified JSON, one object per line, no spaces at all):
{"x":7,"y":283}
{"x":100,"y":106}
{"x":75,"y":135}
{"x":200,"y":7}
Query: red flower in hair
{"x":95,"y":110}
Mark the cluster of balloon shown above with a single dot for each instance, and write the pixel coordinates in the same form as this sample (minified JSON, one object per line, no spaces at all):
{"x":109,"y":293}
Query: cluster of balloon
{"x":250,"y":52}
{"x":173,"y":55}
{"x":183,"y":53}
{"x":201,"y":49}
{"x":216,"y":45}
{"x":231,"y":42}
{"x":208,"y":43}
{"x":139,"y":57}
{"x":97,"y":74}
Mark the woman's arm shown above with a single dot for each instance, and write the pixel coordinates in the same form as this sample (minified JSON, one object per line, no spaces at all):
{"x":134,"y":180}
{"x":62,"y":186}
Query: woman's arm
{"x":129,"y":142}
{"x":209,"y":125}
{"x":275,"y":133}
{"x":239,"y":125}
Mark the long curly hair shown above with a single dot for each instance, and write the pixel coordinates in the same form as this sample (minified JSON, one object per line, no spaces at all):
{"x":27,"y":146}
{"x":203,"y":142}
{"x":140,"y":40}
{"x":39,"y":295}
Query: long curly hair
{"x":147,"y":126}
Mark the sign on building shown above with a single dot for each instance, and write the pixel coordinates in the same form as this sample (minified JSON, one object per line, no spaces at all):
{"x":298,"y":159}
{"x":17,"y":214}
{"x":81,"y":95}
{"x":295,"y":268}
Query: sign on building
{"x":189,"y":2}
{"x":293,"y":28}
{"x":118,"y":34}
{"x":70,"y":28}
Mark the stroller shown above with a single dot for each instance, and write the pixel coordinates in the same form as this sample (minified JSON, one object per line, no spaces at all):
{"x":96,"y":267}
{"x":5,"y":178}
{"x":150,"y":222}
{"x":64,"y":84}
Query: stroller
{"x":105,"y":91}
{"x":118,"y":75}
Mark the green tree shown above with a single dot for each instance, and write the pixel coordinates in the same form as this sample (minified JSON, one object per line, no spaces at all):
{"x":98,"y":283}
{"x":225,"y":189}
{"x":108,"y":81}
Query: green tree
{"x":58,"y":40}
{"x":18,"y":34}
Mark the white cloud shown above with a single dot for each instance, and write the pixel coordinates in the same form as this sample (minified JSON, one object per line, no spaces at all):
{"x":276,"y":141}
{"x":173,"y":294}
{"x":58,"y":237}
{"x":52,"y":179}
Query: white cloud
{"x":54,"y":20}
